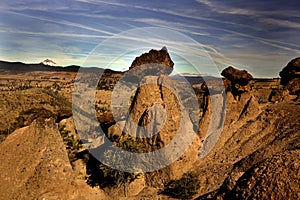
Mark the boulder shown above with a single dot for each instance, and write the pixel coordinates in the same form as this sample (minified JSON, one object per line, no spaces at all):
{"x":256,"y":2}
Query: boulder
{"x":237,"y":81}
{"x":114,"y":132}
{"x":290,"y":76}
{"x":290,"y":71}
{"x":153,"y":63}
{"x":236,"y":76}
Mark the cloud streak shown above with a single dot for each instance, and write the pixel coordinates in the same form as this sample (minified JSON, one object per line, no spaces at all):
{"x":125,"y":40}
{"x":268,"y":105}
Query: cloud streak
{"x":274,"y":43}
{"x":49,"y":34}
{"x":281,"y":22}
{"x":62,"y":22}
{"x":178,"y":13}
{"x":230,"y":32}
{"x":222,"y":8}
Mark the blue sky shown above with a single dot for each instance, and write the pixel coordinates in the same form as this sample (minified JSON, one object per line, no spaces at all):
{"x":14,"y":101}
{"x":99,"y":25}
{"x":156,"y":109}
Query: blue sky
{"x":259,"y":36}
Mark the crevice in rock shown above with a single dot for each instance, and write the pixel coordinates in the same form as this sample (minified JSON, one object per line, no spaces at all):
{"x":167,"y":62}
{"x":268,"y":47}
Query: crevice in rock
{"x":245,"y":108}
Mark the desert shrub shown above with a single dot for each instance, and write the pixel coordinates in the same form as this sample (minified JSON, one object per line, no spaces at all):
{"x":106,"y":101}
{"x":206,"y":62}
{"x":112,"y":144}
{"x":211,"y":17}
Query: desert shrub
{"x":115,"y":177}
{"x":105,"y":176}
{"x":73,"y":145}
{"x":184,"y":188}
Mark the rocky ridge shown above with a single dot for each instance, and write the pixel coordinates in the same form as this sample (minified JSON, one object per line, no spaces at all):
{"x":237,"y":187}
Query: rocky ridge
{"x":255,"y":157}
{"x":45,"y":173}
{"x":251,"y":150}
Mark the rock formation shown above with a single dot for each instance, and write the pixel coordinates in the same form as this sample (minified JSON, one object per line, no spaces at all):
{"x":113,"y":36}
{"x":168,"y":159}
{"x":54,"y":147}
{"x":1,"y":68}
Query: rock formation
{"x":256,"y":156}
{"x":241,"y":77}
{"x":156,"y":118}
{"x":290,"y":76}
{"x":237,"y":81}
{"x":153,"y":63}
{"x":262,"y":182}
{"x":38,"y":167}
{"x":35,"y":165}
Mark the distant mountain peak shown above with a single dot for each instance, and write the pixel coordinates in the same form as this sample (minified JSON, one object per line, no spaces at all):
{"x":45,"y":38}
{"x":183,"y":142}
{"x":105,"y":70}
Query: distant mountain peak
{"x":48,"y":62}
{"x":164,"y":48}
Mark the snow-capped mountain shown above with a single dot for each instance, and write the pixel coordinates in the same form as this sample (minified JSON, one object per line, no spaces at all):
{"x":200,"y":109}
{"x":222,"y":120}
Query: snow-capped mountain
{"x":48,"y":62}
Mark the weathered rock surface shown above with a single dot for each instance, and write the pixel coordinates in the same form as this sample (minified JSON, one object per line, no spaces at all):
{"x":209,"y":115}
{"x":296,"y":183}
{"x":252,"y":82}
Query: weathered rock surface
{"x":255,"y":157}
{"x":153,"y":63}
{"x":290,"y":76}
{"x":241,"y":77}
{"x":156,"y":118}
{"x":258,"y":147}
{"x":237,"y":81}
{"x":135,"y":187}
{"x":276,"y":177}
{"x":254,"y":153}
{"x":35,"y":165}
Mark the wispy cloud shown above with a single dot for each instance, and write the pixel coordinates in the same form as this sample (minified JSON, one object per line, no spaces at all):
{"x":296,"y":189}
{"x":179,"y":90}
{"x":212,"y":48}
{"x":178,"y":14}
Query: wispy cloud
{"x":62,"y":22}
{"x":178,"y":26}
{"x":191,"y":14}
{"x":231,"y":32}
{"x":43,"y":34}
{"x":274,"y":43}
{"x":113,"y":3}
{"x":221,"y":7}
{"x":281,"y":22}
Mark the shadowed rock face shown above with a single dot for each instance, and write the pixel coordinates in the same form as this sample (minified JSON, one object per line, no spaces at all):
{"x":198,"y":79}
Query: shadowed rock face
{"x":237,"y":81}
{"x":290,"y":76}
{"x":290,"y":71}
{"x":241,"y":77}
{"x":153,"y":57}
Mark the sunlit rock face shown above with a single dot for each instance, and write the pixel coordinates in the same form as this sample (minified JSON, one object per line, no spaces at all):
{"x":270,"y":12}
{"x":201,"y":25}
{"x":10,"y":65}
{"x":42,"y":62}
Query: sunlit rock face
{"x":35,"y":164}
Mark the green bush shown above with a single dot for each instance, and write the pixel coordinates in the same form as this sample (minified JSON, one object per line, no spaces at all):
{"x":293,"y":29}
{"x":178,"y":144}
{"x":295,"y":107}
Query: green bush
{"x":184,"y":188}
{"x":116,"y":177}
{"x":73,"y":145}
{"x":105,"y":176}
